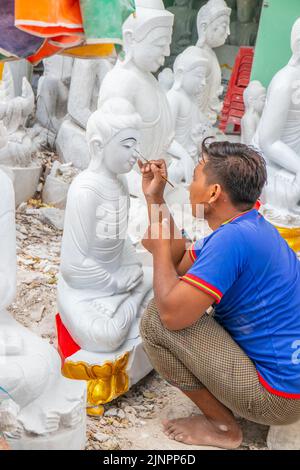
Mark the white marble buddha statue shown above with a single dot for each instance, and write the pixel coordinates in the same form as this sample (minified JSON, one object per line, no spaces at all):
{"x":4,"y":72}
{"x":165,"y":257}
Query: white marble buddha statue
{"x":102,"y":284}
{"x":39,"y":408}
{"x":278,"y":138}
{"x":147,"y":37}
{"x":52,"y":97}
{"x":213,"y":24}
{"x":14,"y":111}
{"x":86,"y":80}
{"x":191,"y":69}
{"x":254,"y":99}
{"x":243,"y":30}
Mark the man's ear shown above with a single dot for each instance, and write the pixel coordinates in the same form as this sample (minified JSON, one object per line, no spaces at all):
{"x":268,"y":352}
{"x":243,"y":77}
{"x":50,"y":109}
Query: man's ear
{"x":215,"y":193}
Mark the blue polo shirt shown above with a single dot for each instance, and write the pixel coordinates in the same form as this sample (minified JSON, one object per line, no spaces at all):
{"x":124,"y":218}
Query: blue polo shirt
{"x":254,"y":277}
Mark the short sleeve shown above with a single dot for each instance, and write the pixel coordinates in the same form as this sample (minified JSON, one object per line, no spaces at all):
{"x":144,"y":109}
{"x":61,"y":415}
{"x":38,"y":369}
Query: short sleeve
{"x":218,"y":262}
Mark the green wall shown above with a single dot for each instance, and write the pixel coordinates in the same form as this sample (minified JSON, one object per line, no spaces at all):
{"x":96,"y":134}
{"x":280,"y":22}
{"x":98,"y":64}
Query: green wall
{"x":273,"y":50}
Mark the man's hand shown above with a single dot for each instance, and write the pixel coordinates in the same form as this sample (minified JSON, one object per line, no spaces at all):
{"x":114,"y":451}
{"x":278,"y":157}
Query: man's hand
{"x":157,"y":235}
{"x":153,"y":184}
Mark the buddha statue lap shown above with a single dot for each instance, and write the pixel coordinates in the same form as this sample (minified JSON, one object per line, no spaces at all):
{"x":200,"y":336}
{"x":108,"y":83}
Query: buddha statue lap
{"x":191,"y":126}
{"x":213,"y":23}
{"x":39,"y":409}
{"x":102,"y":287}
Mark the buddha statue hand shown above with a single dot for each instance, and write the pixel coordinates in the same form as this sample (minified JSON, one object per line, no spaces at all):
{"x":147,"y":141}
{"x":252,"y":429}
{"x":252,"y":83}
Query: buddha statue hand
{"x":128,"y":277}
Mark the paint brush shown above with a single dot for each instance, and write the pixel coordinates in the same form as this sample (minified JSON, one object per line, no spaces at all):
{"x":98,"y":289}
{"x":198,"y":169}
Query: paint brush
{"x":147,"y":161}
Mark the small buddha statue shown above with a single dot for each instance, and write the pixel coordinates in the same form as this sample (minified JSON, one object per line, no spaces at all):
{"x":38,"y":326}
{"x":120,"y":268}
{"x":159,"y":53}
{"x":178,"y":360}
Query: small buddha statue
{"x":39,"y":409}
{"x":14,"y":112}
{"x":213,"y":23}
{"x":102,"y":284}
{"x":254,"y":99}
{"x":278,"y":138}
{"x":191,"y":126}
{"x":184,"y":28}
{"x":243,"y":31}
{"x":147,"y":37}
{"x":86,"y":80}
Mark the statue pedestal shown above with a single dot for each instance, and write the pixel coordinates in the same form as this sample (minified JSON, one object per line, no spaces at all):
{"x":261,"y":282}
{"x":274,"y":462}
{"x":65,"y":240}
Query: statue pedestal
{"x":71,"y":145}
{"x":64,"y":439}
{"x":108,"y":375}
{"x":284,"y":437}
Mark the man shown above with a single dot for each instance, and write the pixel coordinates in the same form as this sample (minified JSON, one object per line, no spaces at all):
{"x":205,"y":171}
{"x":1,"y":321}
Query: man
{"x":245,"y":359}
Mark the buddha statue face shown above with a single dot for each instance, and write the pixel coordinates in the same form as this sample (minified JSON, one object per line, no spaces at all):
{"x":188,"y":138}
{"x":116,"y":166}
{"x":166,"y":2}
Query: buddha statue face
{"x":113,"y":133}
{"x":246,"y":10}
{"x":190,"y":71}
{"x":218,"y":31}
{"x":149,"y":53}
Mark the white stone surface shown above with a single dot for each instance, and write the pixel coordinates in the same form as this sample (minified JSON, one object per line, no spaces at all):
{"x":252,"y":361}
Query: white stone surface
{"x":45,"y":407}
{"x":191,"y":68}
{"x":102,"y":285}
{"x":278,"y":138}
{"x":254,"y":99}
{"x":213,"y":24}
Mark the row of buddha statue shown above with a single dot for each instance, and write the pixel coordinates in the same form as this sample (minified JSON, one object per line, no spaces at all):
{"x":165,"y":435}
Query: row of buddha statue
{"x":104,"y":283}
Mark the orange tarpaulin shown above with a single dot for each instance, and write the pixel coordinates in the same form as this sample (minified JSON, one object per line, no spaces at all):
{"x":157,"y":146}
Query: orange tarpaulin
{"x":51,"y":19}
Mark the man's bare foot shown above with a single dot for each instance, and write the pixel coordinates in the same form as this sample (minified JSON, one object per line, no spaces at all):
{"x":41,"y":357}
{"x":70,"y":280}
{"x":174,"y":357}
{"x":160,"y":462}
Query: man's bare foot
{"x":198,"y":430}
{"x":3,"y":444}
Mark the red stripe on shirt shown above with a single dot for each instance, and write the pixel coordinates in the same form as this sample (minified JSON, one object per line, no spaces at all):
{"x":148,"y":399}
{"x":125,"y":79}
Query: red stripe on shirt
{"x":295,"y":396}
{"x":192,"y":252}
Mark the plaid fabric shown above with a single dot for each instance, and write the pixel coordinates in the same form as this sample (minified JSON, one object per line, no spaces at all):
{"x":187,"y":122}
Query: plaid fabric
{"x":206,"y":355}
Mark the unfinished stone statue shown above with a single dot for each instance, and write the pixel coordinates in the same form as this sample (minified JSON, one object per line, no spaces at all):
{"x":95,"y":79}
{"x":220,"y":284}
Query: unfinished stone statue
{"x":39,"y":409}
{"x":147,"y":37}
{"x":102,"y":285}
{"x":52,"y":97}
{"x":278,"y":138}
{"x":18,"y":153}
{"x":243,"y":31}
{"x":184,"y":28}
{"x":87,"y":76}
{"x":191,"y":69}
{"x":166,"y":79}
{"x":254,"y":99}
{"x":213,"y":29}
